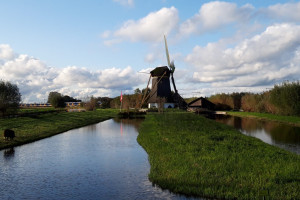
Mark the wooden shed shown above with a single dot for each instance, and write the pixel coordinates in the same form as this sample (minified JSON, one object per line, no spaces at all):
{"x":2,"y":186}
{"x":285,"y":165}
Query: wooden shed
{"x":201,"y":104}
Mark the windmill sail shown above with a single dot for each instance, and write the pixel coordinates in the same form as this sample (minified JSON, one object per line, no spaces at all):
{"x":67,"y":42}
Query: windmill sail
{"x":170,"y":64}
{"x":174,"y":83}
{"x":167,"y":51}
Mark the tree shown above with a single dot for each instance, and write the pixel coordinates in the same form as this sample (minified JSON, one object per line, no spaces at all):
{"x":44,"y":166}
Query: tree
{"x":91,"y":104}
{"x":70,"y":99}
{"x":104,"y":102}
{"x":10,"y":97}
{"x":137,"y":91}
{"x":56,"y":100}
{"x":237,"y":100}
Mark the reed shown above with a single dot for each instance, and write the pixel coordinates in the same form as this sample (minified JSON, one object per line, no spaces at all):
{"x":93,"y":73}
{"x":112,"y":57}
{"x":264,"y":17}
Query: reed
{"x":196,"y":156}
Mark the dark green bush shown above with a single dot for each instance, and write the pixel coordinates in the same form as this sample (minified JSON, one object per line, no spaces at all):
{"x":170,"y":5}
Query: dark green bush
{"x":10,"y":98}
{"x":56,"y":99}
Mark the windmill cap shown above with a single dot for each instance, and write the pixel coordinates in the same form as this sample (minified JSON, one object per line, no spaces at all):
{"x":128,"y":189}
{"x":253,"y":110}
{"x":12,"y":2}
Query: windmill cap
{"x":159,"y":71}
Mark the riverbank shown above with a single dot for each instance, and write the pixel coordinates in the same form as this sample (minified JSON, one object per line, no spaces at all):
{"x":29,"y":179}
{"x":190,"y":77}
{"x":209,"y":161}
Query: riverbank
{"x":192,"y":155}
{"x":32,"y":128}
{"x":293,"y":120}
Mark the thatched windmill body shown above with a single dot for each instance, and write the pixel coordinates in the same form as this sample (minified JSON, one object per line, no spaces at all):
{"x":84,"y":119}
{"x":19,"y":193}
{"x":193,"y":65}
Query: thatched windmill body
{"x":161,"y":94}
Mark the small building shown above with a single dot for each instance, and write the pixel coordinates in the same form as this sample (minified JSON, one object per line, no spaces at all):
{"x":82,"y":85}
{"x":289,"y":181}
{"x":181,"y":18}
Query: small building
{"x":201,"y":104}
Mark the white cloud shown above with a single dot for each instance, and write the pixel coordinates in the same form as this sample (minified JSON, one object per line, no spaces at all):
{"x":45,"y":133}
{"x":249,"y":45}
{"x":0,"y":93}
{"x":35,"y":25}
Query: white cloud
{"x":35,"y":79}
{"x":129,"y":3}
{"x":6,"y":52}
{"x":74,"y":76}
{"x":105,"y":34}
{"x":287,"y":11}
{"x":148,"y":29}
{"x":22,"y":66}
{"x":214,"y":15}
{"x":272,"y":56}
{"x":150,"y":58}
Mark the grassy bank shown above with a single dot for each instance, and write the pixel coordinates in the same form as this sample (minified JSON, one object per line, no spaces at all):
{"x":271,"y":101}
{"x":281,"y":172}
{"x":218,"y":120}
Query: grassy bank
{"x":193,"y":155}
{"x":36,"y":127}
{"x":266,"y":116}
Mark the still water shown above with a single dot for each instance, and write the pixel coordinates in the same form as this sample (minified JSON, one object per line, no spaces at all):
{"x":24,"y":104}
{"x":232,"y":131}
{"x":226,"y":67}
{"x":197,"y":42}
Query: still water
{"x":282,"y":135}
{"x":101,"y":161}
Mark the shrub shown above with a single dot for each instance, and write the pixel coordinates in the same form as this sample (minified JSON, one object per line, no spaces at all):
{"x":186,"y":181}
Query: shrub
{"x":56,"y":100}
{"x":286,"y":97}
{"x":222,"y":101}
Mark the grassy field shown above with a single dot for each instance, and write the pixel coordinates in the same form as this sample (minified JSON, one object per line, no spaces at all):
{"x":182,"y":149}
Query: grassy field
{"x":42,"y":125}
{"x":33,"y":110}
{"x":196,"y":156}
{"x":280,"y":118}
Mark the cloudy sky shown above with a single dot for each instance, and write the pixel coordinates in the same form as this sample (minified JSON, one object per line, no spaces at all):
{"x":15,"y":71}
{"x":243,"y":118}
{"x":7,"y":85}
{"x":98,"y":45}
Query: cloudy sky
{"x":92,"y":47}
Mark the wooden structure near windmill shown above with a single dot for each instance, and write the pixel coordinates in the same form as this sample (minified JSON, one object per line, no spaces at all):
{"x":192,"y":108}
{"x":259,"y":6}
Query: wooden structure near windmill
{"x":161,"y":94}
{"x":201,"y":104}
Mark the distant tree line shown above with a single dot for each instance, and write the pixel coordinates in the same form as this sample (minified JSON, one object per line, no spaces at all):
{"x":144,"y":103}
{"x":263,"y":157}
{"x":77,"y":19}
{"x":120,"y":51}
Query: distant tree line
{"x":134,"y":100}
{"x":283,"y":99}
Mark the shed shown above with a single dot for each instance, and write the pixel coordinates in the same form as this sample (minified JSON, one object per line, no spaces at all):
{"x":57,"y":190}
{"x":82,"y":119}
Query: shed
{"x":201,"y":104}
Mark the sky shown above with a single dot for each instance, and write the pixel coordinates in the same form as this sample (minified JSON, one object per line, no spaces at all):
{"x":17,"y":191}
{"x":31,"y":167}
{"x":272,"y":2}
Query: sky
{"x":98,"y":48}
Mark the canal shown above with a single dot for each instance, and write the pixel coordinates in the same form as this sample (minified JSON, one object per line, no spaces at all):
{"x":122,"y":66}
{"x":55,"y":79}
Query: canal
{"x":100,"y":161}
{"x":278,"y":134}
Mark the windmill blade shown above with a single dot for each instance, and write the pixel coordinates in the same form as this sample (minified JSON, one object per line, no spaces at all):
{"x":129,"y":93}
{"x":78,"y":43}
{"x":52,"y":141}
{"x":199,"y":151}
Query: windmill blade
{"x":173,"y":81}
{"x":172,"y":67}
{"x":167,"y":51}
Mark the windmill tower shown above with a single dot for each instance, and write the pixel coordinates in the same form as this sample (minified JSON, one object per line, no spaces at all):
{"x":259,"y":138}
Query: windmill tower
{"x":161,"y":88}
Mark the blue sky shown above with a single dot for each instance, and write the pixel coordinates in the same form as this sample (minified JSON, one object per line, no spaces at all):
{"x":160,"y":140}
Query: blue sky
{"x":83,"y":48}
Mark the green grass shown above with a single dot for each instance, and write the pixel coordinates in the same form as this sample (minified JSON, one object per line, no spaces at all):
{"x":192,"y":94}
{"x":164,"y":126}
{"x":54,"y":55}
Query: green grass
{"x":193,"y":155}
{"x":266,"y":116}
{"x":34,"y":110}
{"x":29,"y":129}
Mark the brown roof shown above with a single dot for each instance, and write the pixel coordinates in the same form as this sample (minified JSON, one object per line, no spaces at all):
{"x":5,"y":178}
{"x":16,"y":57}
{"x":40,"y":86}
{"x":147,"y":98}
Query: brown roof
{"x":202,"y":102}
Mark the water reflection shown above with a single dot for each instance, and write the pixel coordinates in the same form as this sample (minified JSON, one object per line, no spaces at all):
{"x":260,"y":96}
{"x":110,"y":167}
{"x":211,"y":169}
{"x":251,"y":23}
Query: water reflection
{"x":121,"y":127}
{"x":9,"y":153}
{"x":129,"y":122}
{"x":279,"y":134}
{"x":93,"y":162}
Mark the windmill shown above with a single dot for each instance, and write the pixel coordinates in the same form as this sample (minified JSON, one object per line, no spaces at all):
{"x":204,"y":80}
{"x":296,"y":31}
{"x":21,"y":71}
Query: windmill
{"x":161,"y":87}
